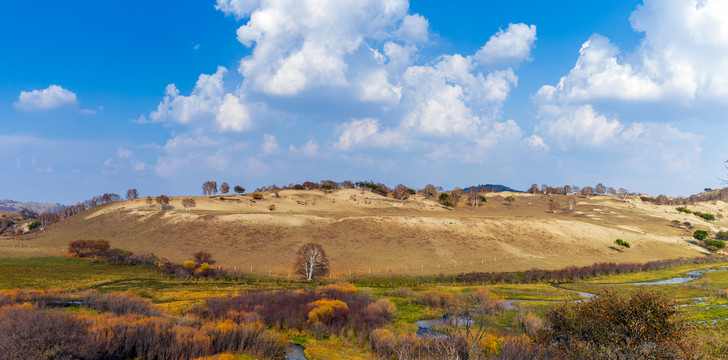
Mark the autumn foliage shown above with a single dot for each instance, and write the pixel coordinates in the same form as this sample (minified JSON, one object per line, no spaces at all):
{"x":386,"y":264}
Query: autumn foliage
{"x":88,"y":248}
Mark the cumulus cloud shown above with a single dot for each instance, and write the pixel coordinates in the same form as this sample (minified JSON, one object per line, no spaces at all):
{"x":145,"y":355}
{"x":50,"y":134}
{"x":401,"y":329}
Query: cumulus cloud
{"x":303,"y":44}
{"x":311,"y":149}
{"x":413,"y":29}
{"x":509,"y":46}
{"x":208,"y":102}
{"x":683,"y":56}
{"x":365,"y":132}
{"x":598,"y":74}
{"x":580,"y":125}
{"x":449,"y":98}
{"x":49,"y":98}
{"x":270,"y":144}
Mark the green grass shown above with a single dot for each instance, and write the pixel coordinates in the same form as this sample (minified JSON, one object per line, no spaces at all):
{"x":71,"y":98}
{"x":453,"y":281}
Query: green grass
{"x":653,"y":275}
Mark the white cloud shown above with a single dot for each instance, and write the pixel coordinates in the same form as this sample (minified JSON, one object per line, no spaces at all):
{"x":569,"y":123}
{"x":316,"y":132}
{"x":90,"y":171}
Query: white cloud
{"x":598,"y":74}
{"x":580,"y":125}
{"x":233,"y":115}
{"x":208,"y":102}
{"x":311,"y":149}
{"x":301,"y":45}
{"x":683,"y":56}
{"x":375,"y":87}
{"x":270,"y":144}
{"x":442,"y":98}
{"x":414,"y":29}
{"x":49,"y":98}
{"x":123,"y":153}
{"x":365,"y":132}
{"x":536,"y":142}
{"x":508,"y":47}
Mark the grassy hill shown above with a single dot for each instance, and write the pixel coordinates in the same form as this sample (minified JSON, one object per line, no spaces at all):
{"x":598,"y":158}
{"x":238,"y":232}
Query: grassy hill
{"x":363,"y":232}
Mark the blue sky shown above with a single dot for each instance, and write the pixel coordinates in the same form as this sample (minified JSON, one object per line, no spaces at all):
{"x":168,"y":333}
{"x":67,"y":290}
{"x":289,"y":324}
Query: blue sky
{"x":628,"y":93}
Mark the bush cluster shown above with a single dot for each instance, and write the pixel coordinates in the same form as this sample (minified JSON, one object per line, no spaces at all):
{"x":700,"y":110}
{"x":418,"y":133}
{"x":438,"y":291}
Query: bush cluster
{"x":706,"y":216}
{"x":577,"y":273}
{"x":127,"y":327}
{"x":88,"y":248}
{"x":684,"y":209}
{"x":331,"y":309}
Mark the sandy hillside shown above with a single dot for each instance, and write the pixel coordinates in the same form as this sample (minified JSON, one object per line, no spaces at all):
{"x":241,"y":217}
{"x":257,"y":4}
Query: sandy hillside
{"x":364,"y":232}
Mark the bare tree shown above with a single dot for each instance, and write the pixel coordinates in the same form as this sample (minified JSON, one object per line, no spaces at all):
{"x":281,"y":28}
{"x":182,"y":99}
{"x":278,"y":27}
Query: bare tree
{"x":149,"y":201}
{"x":623,"y":193}
{"x":567,"y":189}
{"x":533,"y":189}
{"x":430,"y":191}
{"x":611,"y":191}
{"x":224,"y":188}
{"x":311,"y":261}
{"x":554,"y":205}
{"x":400,"y":192}
{"x":132,"y":194}
{"x":188,"y":203}
{"x":474,"y":197}
{"x":163,"y":201}
{"x":587,"y":191}
{"x":600,"y":189}
{"x":209,"y":188}
{"x":571,"y":203}
{"x":239,"y":189}
{"x":455,"y":195}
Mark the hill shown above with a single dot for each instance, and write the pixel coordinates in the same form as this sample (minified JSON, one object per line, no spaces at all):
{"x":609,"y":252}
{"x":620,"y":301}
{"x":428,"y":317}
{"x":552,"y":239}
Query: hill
{"x":40,"y":208}
{"x":363,"y":232}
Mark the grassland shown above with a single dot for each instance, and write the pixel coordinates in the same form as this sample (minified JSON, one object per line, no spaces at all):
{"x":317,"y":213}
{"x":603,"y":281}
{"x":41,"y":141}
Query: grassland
{"x":703,"y":300}
{"x":367,"y":234}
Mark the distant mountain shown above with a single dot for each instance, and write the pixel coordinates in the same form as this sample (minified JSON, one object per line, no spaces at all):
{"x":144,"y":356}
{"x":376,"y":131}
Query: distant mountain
{"x":40,"y":208}
{"x":490,"y":186}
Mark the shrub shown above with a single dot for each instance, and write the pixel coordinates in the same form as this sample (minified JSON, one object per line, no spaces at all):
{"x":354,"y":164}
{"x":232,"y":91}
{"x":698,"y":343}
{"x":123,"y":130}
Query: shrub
{"x":257,"y":196}
{"x":700,"y":234}
{"x":685,"y":210}
{"x":622,"y":243}
{"x":203,"y":257}
{"x":33,"y":225}
{"x":88,"y":248}
{"x":483,"y":199}
{"x":448,"y":203}
{"x":712,"y":248}
{"x":646,"y":326}
{"x":706,"y":216}
{"x":722,"y":235}
{"x":27,"y":332}
{"x":719,"y":244}
{"x":190,"y":265}
{"x":443,"y":197}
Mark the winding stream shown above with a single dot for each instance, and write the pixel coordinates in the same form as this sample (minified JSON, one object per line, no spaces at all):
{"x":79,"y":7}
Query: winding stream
{"x":424,"y":327}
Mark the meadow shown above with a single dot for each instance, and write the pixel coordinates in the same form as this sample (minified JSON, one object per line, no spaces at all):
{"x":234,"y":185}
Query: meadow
{"x":702,"y":302}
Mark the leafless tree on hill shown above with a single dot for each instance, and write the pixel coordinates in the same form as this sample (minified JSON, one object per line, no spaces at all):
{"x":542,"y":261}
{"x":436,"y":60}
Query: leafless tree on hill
{"x":311,"y":261}
{"x":567,"y":189}
{"x":163,"y":201}
{"x":623,"y":193}
{"x":600,"y":189}
{"x":149,"y":201}
{"x":400,"y":192}
{"x":554,"y":205}
{"x":209,"y":188}
{"x":430,"y":191}
{"x":474,"y":197}
{"x":132,"y":194}
{"x":456,"y":195}
{"x":533,"y":189}
{"x":188,"y":203}
{"x":224,"y":188}
{"x":587,"y":191}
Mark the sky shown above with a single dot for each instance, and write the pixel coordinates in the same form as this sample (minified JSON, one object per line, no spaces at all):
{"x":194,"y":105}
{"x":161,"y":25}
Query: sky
{"x":104,"y":96}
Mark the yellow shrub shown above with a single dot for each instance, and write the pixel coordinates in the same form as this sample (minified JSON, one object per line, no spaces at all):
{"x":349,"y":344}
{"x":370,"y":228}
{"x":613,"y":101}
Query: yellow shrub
{"x":342,"y":287}
{"x":205,"y":267}
{"x":325,"y":310}
{"x":190,"y":264}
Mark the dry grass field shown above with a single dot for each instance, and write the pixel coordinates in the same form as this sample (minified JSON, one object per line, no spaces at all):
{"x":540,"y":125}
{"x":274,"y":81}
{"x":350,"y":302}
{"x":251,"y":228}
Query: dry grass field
{"x":363,"y":232}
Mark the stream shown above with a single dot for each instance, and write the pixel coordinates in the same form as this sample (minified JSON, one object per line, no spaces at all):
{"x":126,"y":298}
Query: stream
{"x":424,"y":327}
